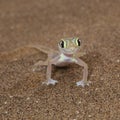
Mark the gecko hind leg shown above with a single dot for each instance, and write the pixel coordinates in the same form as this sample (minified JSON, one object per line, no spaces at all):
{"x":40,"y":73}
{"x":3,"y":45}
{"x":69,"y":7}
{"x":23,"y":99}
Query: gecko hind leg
{"x":39,"y":66}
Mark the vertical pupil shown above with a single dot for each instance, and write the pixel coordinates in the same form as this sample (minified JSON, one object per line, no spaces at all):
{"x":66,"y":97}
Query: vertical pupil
{"x":62,"y":44}
{"x":78,"y":42}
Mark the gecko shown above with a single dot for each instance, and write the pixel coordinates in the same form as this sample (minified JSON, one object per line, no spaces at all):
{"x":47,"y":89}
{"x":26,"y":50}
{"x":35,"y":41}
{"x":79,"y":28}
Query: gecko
{"x":68,"y":49}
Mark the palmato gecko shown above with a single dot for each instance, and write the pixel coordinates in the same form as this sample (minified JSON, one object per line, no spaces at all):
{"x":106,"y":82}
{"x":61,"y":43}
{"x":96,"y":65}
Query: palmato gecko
{"x":67,"y":54}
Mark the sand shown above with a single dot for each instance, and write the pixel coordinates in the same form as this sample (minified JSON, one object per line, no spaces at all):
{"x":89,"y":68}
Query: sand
{"x":43,"y":22}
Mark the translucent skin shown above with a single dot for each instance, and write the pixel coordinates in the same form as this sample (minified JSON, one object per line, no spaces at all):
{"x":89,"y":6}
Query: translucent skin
{"x":67,"y":54}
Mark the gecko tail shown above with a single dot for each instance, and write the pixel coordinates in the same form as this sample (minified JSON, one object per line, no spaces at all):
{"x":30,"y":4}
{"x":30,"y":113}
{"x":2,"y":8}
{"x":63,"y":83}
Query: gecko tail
{"x":22,"y":51}
{"x":43,"y":49}
{"x":40,"y":48}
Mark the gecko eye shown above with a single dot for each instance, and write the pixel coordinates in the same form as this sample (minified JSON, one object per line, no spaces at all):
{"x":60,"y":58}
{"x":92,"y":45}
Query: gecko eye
{"x":78,"y":42}
{"x":61,"y":44}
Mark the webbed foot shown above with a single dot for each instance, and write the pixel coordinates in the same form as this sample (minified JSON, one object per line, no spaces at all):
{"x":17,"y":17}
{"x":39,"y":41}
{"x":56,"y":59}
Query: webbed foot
{"x":50,"y":81}
{"x":83,"y":83}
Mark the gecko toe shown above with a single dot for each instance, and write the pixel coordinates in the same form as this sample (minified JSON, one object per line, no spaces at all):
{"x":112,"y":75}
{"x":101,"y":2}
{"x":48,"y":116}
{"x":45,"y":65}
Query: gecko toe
{"x":50,"y":81}
{"x":82,"y":83}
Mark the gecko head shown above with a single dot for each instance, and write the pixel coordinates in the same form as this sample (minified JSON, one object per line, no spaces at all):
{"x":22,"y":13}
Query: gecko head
{"x":69,"y":45}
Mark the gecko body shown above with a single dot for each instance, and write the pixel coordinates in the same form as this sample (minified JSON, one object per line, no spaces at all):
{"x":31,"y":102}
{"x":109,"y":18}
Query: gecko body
{"x":67,"y":54}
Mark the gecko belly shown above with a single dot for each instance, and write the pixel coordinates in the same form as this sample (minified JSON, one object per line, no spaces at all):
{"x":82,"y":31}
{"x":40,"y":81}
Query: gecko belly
{"x":62,"y":64}
{"x":64,"y":61}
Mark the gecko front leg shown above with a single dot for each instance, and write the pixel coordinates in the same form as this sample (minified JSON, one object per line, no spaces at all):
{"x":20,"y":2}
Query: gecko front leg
{"x":84,"y":81}
{"x":49,"y":80}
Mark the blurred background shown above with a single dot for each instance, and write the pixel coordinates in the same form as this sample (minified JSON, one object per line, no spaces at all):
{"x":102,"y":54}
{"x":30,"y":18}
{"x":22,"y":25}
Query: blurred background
{"x":44,"y":21}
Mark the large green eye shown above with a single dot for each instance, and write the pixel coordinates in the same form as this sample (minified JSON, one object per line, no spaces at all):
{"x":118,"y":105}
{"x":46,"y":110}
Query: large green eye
{"x":61,"y":44}
{"x":78,"y":42}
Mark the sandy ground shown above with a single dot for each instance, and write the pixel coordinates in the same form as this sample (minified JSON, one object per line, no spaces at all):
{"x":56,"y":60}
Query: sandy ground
{"x":45,"y":22}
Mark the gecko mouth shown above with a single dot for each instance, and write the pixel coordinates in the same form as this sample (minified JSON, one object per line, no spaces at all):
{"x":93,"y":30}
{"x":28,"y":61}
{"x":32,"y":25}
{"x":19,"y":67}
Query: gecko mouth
{"x":69,"y":51}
